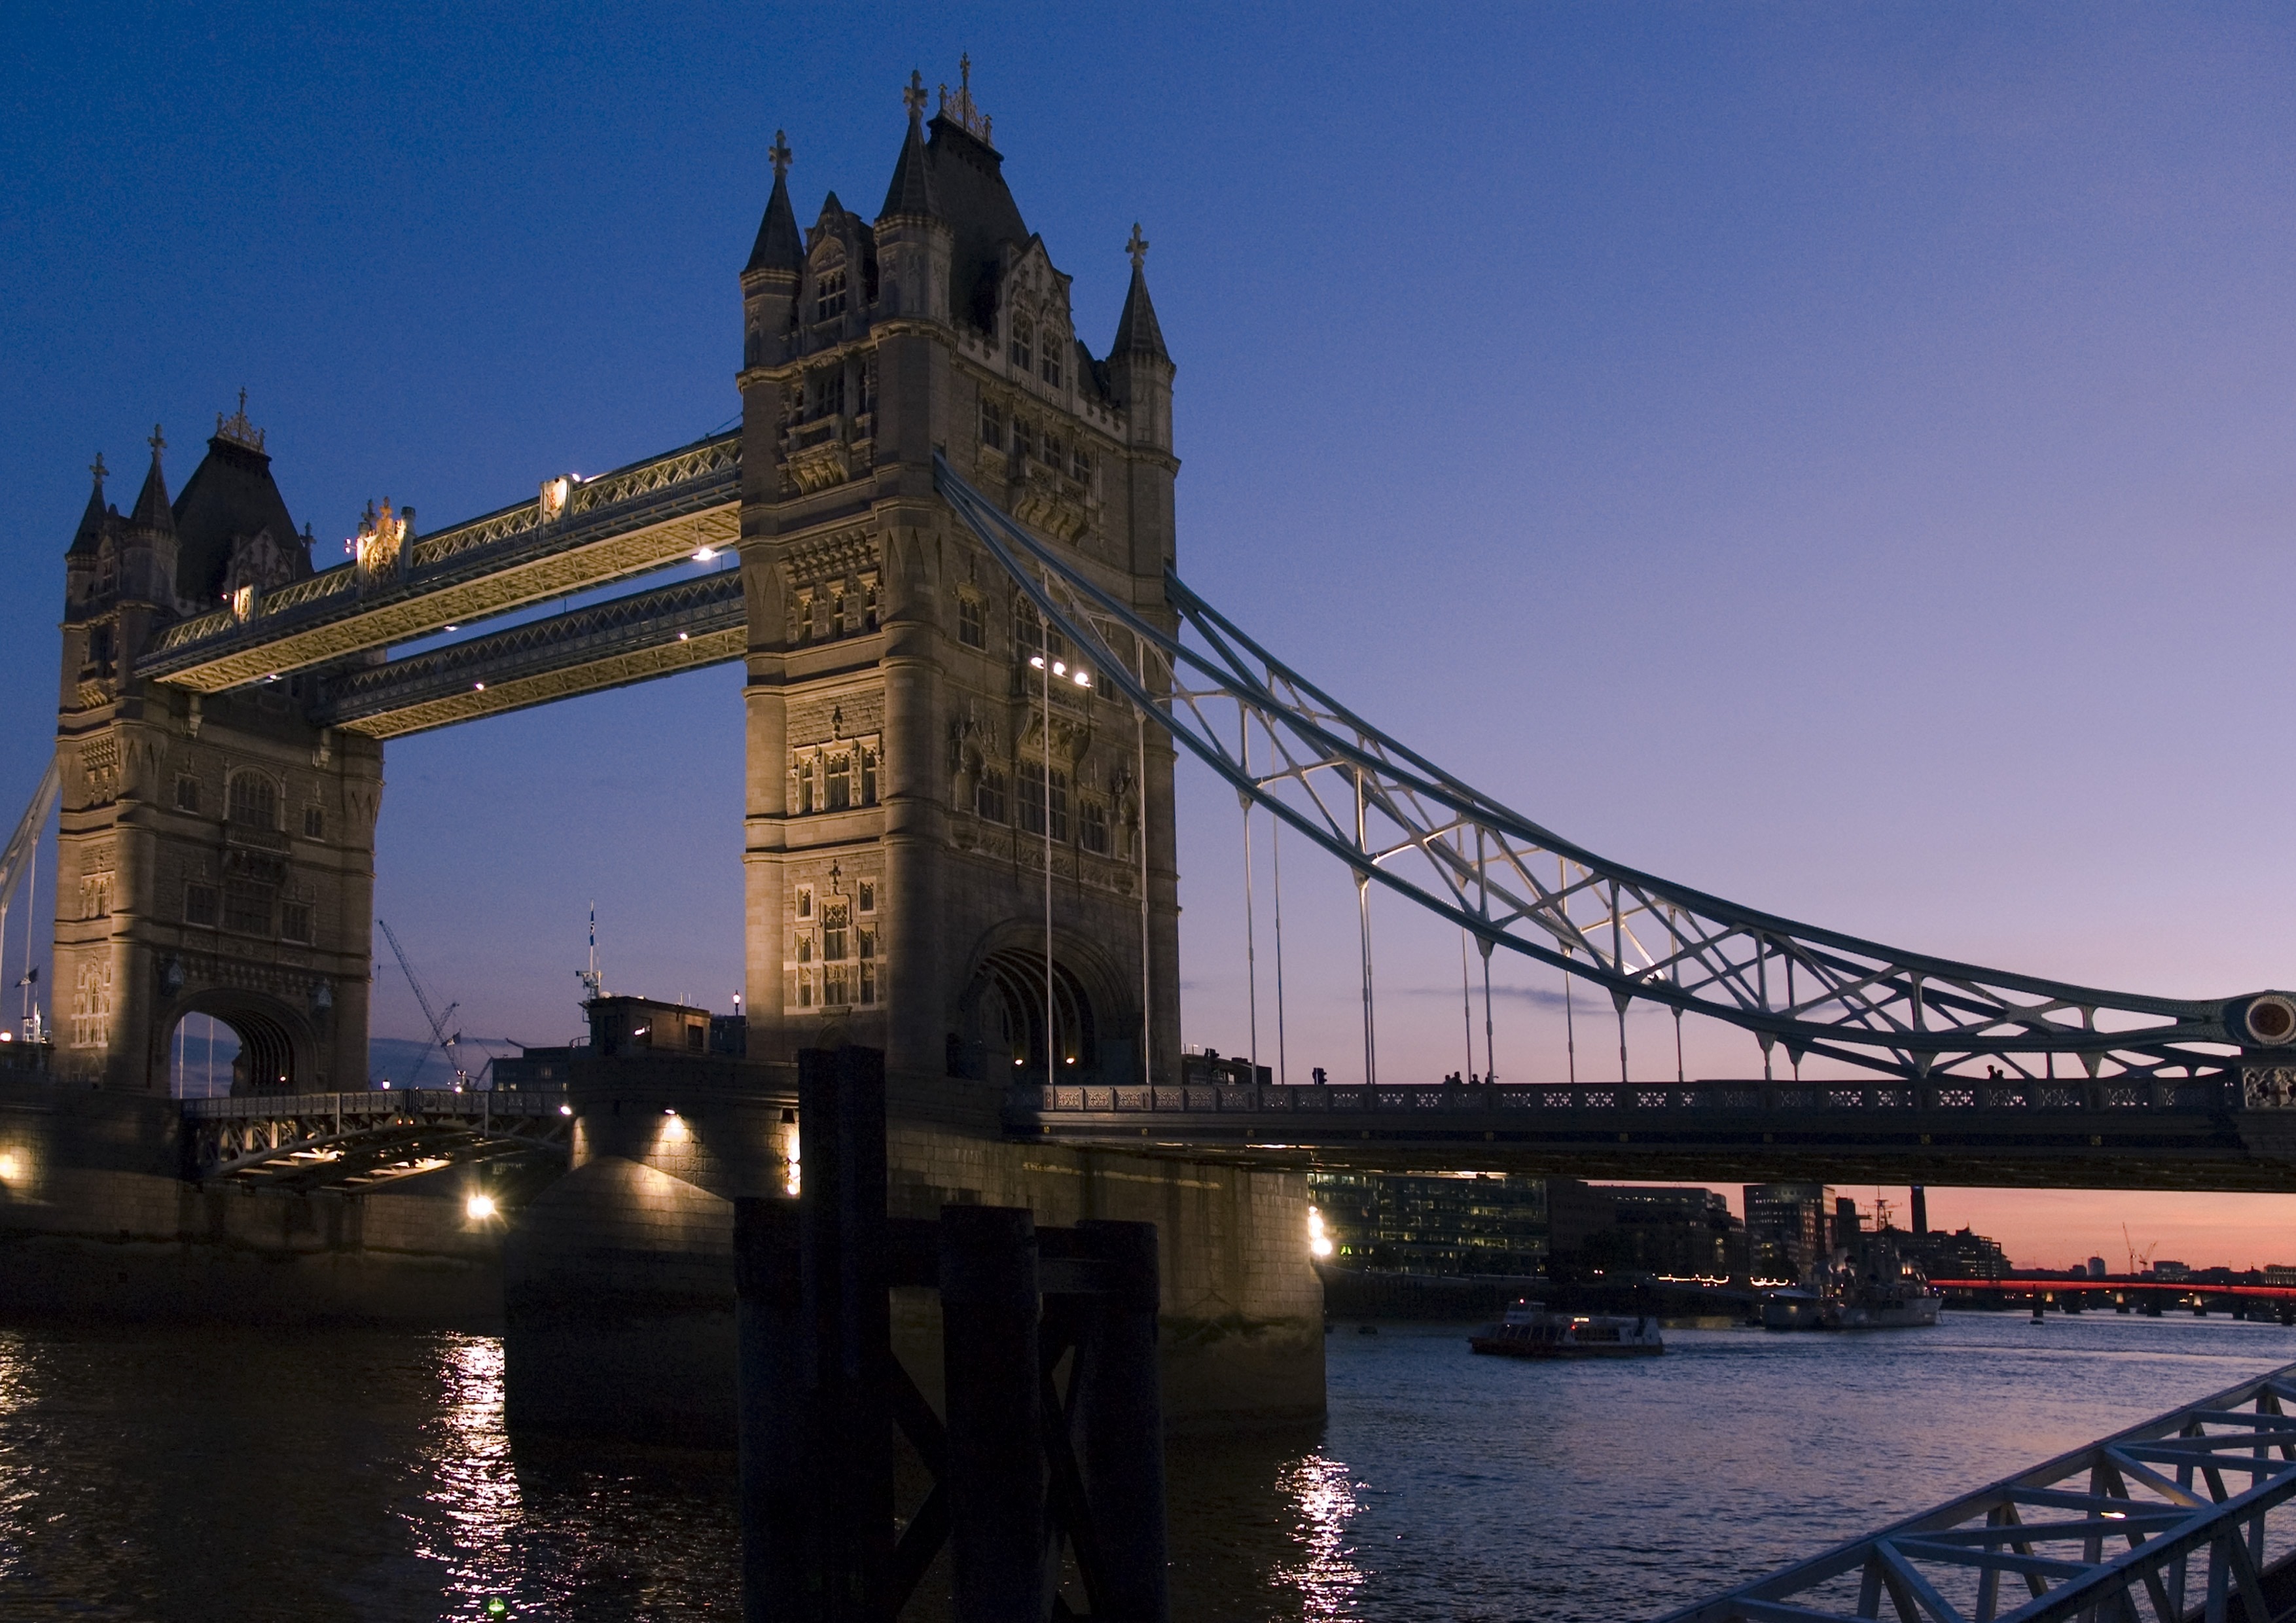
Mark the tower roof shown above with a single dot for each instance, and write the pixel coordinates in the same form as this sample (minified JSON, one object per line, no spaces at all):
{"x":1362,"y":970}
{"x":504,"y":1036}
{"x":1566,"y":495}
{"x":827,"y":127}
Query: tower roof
{"x":911,"y":193}
{"x":90,"y":521}
{"x":779,"y":246}
{"x":151,"y":504}
{"x":231,"y":496}
{"x":1136,"y":330}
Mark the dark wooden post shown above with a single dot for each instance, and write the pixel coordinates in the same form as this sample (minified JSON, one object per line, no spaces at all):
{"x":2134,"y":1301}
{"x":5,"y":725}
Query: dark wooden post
{"x":1120,"y":1421}
{"x":840,"y":1114}
{"x":772,"y":1406}
{"x":989,"y":1311}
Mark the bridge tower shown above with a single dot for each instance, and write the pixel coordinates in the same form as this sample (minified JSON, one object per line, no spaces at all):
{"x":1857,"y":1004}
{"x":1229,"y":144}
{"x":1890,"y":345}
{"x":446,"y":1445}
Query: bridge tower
{"x":216,"y":854}
{"x":912,"y":771}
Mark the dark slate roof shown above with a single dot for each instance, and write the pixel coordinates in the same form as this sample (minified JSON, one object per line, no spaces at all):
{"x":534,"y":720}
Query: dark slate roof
{"x":91,"y":522}
{"x":779,"y":247}
{"x":1136,"y":332}
{"x":912,"y":192}
{"x":229,"y":497}
{"x":969,"y":192}
{"x":151,"y":504}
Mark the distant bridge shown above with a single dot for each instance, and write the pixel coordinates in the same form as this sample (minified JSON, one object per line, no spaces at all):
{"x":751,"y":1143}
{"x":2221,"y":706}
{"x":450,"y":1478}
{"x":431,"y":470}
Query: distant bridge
{"x":355,"y":1141}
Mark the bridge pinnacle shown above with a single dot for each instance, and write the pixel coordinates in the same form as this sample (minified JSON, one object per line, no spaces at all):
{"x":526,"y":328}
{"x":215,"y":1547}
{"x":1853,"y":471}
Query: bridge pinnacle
{"x":97,"y":468}
{"x":779,"y":154}
{"x":913,"y":97}
{"x":1138,"y":246}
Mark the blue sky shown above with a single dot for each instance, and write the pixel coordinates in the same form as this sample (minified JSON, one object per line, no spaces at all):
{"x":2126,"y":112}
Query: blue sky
{"x":1836,"y":456}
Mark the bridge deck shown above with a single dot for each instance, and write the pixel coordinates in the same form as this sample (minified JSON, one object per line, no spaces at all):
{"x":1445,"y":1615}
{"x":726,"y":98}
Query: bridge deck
{"x":2169,"y":1133}
{"x":359,"y":1140}
{"x":2185,"y":1516}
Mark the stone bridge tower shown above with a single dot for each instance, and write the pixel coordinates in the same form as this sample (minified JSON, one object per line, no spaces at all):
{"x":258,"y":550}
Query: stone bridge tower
{"x":903,"y":776}
{"x":216,"y":854}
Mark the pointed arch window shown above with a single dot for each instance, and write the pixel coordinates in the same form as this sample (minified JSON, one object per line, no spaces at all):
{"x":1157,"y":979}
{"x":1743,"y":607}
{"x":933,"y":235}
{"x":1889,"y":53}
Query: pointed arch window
{"x":254,"y":801}
{"x":829,"y":293}
{"x":1022,"y":351}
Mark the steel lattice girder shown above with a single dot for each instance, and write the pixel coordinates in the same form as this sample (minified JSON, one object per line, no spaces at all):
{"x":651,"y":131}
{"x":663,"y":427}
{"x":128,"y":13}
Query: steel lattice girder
{"x":610,"y":528}
{"x":659,"y":632}
{"x":1395,"y":817}
{"x":310,"y":1141}
{"x":2115,"y":1529}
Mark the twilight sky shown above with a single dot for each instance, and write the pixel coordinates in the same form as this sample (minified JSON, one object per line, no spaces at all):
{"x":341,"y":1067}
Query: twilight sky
{"x":1835,"y":457}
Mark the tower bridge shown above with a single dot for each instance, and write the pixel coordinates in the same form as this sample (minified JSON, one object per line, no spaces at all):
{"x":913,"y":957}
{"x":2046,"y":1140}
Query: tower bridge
{"x":942,"y":543}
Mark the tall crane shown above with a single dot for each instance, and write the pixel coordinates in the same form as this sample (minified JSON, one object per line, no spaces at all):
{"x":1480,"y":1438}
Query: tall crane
{"x":439,"y":1039}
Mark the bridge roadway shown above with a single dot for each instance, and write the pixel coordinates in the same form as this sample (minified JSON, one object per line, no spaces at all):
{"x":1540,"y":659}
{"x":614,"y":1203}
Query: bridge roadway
{"x":2206,"y":1133}
{"x":358,"y":1141}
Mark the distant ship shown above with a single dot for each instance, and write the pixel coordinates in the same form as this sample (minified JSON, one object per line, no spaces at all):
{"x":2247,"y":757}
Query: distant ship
{"x":1530,"y":1330}
{"x":1867,"y":1285}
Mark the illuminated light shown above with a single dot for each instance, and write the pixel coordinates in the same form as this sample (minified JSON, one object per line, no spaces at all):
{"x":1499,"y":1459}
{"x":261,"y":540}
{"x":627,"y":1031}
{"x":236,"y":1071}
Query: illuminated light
{"x":1060,"y":668}
{"x":480,"y":686}
{"x":1036,"y":661}
{"x":7,"y":1036}
{"x":670,"y":1113}
{"x":1082,"y":679}
{"x":9,"y":1166}
{"x":704,"y":555}
{"x":479,"y":1208}
{"x":386,"y":1085}
{"x":454,"y":628}
{"x":1319,"y":1242}
{"x":681,"y":636}
{"x":2116,"y":1515}
{"x":565,"y":1110}
{"x":497,"y":1607}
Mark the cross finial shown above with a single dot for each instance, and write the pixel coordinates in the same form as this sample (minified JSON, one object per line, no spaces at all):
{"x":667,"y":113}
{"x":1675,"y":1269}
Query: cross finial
{"x":914,"y":97}
{"x":96,"y":467}
{"x":156,"y":442}
{"x":1138,"y":246}
{"x":964,"y":72}
{"x":779,"y":154}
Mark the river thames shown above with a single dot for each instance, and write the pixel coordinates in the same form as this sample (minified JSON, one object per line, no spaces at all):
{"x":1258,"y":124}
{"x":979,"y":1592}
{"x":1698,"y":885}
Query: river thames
{"x":181,"y":1474}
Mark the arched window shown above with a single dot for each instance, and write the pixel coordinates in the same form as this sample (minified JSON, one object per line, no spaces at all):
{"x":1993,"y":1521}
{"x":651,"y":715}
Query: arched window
{"x":254,"y":801}
{"x":829,"y":293}
{"x":1023,"y":349}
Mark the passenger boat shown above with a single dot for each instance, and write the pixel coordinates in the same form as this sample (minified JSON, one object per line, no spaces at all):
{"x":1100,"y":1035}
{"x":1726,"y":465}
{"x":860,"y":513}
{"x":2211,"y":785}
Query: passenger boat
{"x":1530,"y":1330}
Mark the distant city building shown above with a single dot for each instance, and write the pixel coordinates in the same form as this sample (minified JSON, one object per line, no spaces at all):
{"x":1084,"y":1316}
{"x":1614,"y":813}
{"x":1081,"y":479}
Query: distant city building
{"x":2096,"y":1267}
{"x":1436,"y":1225}
{"x":2280,"y":1273}
{"x":1628,"y":1228}
{"x":2165,"y":1269}
{"x":1789,"y":1229}
{"x":1959,"y":1255}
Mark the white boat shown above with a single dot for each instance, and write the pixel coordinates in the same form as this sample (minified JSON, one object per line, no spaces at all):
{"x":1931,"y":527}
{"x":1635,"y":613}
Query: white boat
{"x":1530,"y":1330}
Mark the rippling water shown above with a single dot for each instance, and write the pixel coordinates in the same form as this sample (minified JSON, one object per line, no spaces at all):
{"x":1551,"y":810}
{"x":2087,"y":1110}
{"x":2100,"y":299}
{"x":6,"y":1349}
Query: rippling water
{"x":188,"y":1474}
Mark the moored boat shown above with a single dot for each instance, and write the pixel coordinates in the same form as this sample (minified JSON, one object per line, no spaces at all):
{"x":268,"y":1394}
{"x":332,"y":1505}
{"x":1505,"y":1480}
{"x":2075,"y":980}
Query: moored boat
{"x":1530,"y":1331}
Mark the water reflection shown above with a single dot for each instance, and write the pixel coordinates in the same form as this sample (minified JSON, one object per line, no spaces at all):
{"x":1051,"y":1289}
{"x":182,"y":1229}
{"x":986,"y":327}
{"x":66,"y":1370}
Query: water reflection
{"x":259,"y":1474}
{"x":1324,"y":1574}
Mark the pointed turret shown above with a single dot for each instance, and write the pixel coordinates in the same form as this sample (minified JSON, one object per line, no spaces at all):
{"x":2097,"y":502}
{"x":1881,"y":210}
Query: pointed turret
{"x":152,"y":509}
{"x":1136,"y":332}
{"x":779,"y":247}
{"x":911,"y":195}
{"x":90,"y":521}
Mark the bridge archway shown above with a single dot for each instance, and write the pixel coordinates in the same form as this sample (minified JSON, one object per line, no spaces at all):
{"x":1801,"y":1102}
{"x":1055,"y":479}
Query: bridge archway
{"x":1000,"y":1033}
{"x":278,"y":1050}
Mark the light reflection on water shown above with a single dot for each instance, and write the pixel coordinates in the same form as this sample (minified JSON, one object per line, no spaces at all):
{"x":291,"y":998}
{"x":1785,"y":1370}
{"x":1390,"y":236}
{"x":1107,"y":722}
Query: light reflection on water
{"x":252,"y":1475}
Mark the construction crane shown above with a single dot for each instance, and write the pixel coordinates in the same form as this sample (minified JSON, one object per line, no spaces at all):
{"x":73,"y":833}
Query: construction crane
{"x":439,"y":1039}
{"x":2137,"y":1263}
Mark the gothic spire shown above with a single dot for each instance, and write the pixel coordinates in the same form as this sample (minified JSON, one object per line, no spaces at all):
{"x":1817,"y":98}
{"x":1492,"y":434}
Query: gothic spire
{"x":91,"y":522}
{"x":1136,"y":332}
{"x":151,"y":506}
{"x":779,"y":246}
{"x":911,"y":192}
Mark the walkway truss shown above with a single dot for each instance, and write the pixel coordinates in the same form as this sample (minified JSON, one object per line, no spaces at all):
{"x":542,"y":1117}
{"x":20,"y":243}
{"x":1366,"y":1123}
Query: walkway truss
{"x":2184,"y":1517}
{"x":1396,"y":818}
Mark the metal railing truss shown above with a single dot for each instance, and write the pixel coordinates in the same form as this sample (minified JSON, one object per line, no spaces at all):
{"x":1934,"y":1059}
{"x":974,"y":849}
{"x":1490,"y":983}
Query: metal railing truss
{"x":357,"y":1141}
{"x":1394,"y":817}
{"x":2183,"y":1517}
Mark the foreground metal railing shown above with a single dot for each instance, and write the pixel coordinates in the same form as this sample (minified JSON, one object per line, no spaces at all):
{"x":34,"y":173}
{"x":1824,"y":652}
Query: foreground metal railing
{"x":2183,"y":1517}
